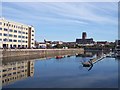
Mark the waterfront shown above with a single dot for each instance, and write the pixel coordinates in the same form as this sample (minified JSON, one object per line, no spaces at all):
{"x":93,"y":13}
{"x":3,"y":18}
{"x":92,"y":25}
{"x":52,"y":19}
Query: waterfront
{"x":66,"y":72}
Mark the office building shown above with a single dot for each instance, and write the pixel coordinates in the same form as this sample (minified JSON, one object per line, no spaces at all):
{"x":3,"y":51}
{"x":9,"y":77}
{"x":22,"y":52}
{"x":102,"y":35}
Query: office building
{"x":16,"y":35}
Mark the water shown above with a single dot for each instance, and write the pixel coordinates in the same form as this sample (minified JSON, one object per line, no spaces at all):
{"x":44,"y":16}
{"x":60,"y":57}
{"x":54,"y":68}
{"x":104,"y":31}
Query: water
{"x":67,"y":72}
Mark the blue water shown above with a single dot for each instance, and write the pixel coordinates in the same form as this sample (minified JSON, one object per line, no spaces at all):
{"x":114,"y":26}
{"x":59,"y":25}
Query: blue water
{"x":69,"y":73}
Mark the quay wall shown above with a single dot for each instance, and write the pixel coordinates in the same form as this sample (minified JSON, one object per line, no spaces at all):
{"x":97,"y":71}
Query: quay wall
{"x":40,"y":52}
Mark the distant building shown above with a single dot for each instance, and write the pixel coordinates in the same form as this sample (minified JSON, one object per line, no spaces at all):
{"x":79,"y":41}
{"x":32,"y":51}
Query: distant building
{"x":102,"y":43}
{"x":84,"y":39}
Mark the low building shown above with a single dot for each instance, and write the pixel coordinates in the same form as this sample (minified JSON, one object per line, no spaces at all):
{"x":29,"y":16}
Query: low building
{"x":85,"y":41}
{"x":102,"y":43}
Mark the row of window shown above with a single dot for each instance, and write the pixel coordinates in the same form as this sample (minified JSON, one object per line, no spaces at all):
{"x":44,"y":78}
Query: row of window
{"x":15,"y":31}
{"x":10,"y":40}
{"x":10,"y":35}
{"x":15,"y":26}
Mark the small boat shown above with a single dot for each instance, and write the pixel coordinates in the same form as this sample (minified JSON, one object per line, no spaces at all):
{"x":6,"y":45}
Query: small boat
{"x":68,"y":56}
{"x":59,"y":57}
{"x":87,"y":64}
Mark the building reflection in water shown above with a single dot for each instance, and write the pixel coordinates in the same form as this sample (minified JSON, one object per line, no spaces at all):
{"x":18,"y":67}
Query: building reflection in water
{"x":14,"y":71}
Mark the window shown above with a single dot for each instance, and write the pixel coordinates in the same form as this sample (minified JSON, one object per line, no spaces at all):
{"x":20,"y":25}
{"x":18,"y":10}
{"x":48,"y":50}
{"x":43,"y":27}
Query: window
{"x":5,"y":39}
{"x":11,"y":30}
{"x":32,"y":30}
{"x":15,"y":31}
{"x":32,"y":34}
{"x":0,"y":39}
{"x":32,"y":39}
{"x":4,"y":24}
{"x":5,"y":34}
{"x":19,"y":40}
{"x":10,"y":35}
{"x":0,"y":28}
{"x":0,"y":34}
{"x":23,"y":32}
{"x":5,"y":29}
{"x":19,"y":36}
{"x":15,"y":40}
{"x":0,"y":23}
{"x":10,"y":40}
{"x":23,"y":36}
{"x":19,"y":31}
{"x":15,"y":35}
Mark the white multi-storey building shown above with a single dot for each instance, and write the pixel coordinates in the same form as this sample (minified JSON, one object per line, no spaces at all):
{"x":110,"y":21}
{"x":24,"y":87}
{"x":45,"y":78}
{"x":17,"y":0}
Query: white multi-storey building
{"x":16,"y":35}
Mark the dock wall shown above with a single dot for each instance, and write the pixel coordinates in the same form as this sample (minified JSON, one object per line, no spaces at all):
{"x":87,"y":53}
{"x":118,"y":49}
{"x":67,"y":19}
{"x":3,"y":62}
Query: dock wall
{"x":40,"y":52}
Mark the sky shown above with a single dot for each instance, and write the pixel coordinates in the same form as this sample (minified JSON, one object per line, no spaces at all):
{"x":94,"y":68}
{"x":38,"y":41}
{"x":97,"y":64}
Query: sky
{"x":65,"y":21}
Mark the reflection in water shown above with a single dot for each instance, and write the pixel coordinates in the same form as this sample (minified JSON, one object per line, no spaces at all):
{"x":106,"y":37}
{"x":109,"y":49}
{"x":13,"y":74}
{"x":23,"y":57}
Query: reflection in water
{"x":15,"y":71}
{"x":65,"y":72}
{"x":96,"y":56}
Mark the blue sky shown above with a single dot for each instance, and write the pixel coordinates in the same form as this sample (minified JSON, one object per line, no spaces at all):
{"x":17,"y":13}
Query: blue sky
{"x":66,"y":21}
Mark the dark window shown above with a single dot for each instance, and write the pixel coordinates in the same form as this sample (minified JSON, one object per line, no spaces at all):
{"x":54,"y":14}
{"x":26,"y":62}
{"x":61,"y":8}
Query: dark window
{"x":15,"y":31}
{"x":0,"y":39}
{"x":5,"y":34}
{"x":15,"y":35}
{"x":5,"y":29}
{"x":0,"y":34}
{"x":0,"y":28}
{"x":14,"y":68}
{"x":23,"y":36}
{"x":32,"y":30}
{"x":10,"y":35}
{"x":10,"y":40}
{"x":5,"y":39}
{"x":15,"y":40}
{"x":0,"y":23}
{"x":19,"y":36}
{"x":19,"y":31}
{"x":18,"y":45}
{"x":23,"y":32}
{"x":11,"y":30}
{"x":32,"y":34}
{"x":19,"y":40}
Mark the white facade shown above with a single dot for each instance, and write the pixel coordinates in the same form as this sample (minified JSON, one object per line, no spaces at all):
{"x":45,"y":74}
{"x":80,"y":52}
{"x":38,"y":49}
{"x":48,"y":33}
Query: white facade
{"x":14,"y":34}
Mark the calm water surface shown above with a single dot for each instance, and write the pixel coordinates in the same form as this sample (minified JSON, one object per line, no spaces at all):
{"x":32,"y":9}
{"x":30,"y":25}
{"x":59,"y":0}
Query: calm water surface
{"x":68,"y":72}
